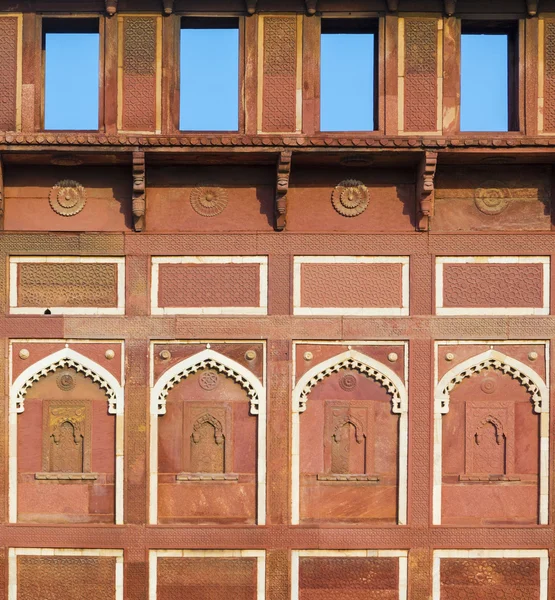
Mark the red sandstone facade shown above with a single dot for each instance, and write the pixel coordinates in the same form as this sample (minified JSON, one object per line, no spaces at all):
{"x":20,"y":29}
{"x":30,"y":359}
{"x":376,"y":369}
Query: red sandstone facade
{"x":277,"y":363}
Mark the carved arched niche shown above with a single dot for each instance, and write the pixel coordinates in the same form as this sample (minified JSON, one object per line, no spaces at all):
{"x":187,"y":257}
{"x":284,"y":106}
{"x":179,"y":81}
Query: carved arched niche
{"x":491,"y":446}
{"x":349,"y":450}
{"x":207,"y":447}
{"x":66,"y":450}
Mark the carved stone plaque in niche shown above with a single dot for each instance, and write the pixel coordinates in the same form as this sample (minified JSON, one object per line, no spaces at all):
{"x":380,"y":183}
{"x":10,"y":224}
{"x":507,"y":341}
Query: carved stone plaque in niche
{"x":208,"y":200}
{"x":66,"y":437}
{"x":67,"y":198}
{"x":350,"y":198}
{"x":348,"y":439}
{"x":207,"y":436}
{"x":491,"y":198}
{"x":490,"y":438}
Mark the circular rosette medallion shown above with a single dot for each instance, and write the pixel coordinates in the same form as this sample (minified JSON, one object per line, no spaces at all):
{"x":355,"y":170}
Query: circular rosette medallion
{"x":348,"y":382}
{"x":208,"y":201}
{"x":68,"y":198}
{"x":350,"y":198}
{"x":491,"y":198}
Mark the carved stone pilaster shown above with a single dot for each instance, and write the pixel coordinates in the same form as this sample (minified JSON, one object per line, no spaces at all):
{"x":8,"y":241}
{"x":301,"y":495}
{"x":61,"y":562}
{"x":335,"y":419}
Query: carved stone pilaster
{"x":139,"y":191}
{"x":425,"y":189}
{"x":1,"y":193}
{"x":111,"y":7}
{"x":532,"y":7}
{"x":450,"y":6}
{"x":168,"y":6}
{"x":282,"y":187}
{"x":311,"y":7}
{"x":392,"y":5}
{"x":251,"y":6}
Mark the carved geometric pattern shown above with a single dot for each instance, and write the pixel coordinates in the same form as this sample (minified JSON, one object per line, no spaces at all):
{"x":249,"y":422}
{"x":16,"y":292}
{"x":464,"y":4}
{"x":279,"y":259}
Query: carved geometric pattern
{"x":139,"y":73}
{"x":8,"y":72}
{"x":549,"y":76}
{"x":420,"y":74}
{"x":68,"y":197}
{"x":67,"y":285}
{"x":353,"y":365}
{"x":213,"y":365}
{"x":279,"y":103}
{"x":65,"y":577}
{"x":350,"y":198}
{"x":493,"y":285}
{"x":208,"y":200}
{"x":496,"y":578}
{"x":348,"y":382}
{"x":491,"y":197}
{"x":67,"y":363}
{"x":492,"y":363}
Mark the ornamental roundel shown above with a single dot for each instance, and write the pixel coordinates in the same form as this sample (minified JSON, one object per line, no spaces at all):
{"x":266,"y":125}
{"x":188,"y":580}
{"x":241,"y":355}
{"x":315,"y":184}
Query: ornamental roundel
{"x":350,"y":198}
{"x":209,"y":380}
{"x":488,"y":386}
{"x":208,"y":200}
{"x":67,"y":198}
{"x":65,"y":381}
{"x":491,"y":198}
{"x":348,"y":382}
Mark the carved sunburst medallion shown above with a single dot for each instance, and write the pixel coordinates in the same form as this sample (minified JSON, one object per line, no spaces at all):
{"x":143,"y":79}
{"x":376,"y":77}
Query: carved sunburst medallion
{"x":67,"y":198}
{"x":491,"y":198}
{"x":208,"y":200}
{"x":350,"y":198}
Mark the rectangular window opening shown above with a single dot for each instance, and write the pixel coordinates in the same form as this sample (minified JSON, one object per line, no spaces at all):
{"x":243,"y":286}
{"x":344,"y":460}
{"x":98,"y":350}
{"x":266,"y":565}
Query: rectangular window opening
{"x":348,"y":75}
{"x":71,"y":64}
{"x":209,"y":74}
{"x":489,"y":77}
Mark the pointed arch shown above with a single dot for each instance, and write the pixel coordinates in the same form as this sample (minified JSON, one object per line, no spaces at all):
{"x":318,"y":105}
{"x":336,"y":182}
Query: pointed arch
{"x":497,"y":425}
{"x":496,"y":360}
{"x":68,"y":358}
{"x":207,"y":359}
{"x":350,"y":419}
{"x":356,"y":361}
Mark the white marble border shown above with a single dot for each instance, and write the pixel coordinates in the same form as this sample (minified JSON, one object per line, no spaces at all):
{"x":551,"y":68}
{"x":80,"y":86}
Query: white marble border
{"x":259,"y":387}
{"x":297,"y":387}
{"x":68,"y":310}
{"x":13,"y":553}
{"x":44,"y":363}
{"x":402,"y":555}
{"x":261,"y":309}
{"x":260,"y":556}
{"x":298,"y":309}
{"x":440,"y":398}
{"x":543,"y":555}
{"x":473,"y":311}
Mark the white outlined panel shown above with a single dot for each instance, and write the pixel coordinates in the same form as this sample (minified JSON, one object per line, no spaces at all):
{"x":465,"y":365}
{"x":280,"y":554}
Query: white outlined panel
{"x":15,"y":309}
{"x":260,"y":309}
{"x":255,"y":388}
{"x":492,"y":260}
{"x":298,"y":401}
{"x":260,"y":556}
{"x":440,"y":555}
{"x":517,"y":369}
{"x":401,"y":555}
{"x":392,"y":311}
{"x":13,"y":553}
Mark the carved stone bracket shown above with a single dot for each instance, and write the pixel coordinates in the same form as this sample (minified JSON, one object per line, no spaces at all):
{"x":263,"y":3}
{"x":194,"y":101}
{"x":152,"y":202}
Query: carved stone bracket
{"x":450,"y":6}
{"x":282,"y":187}
{"x":311,"y":7}
{"x":251,"y":6}
{"x":168,"y":6}
{"x":532,"y":7}
{"x":111,"y":7}
{"x":425,"y":189}
{"x":392,"y":5}
{"x":139,"y":190}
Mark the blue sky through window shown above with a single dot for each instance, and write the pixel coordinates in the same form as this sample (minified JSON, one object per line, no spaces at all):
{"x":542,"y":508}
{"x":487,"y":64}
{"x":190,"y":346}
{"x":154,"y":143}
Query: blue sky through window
{"x":484,"y":83}
{"x":347,"y":82}
{"x":71,"y":81}
{"x":209,"y":80}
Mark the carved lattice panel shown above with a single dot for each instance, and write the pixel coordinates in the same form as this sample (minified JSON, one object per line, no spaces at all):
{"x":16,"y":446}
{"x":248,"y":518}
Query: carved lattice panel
{"x":139,"y":86}
{"x":279,"y":76}
{"x":9,"y":33}
{"x":549,"y":76}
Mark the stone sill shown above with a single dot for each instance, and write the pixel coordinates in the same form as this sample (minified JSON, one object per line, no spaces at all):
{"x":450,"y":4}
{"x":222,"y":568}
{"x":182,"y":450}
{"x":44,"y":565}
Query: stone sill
{"x":206,"y":477}
{"x":66,"y":476}
{"x":488,"y":478}
{"x":343,"y":478}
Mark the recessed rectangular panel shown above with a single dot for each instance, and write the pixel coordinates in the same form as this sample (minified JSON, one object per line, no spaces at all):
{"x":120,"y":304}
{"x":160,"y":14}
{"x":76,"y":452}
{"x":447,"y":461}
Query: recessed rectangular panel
{"x":10,"y":74}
